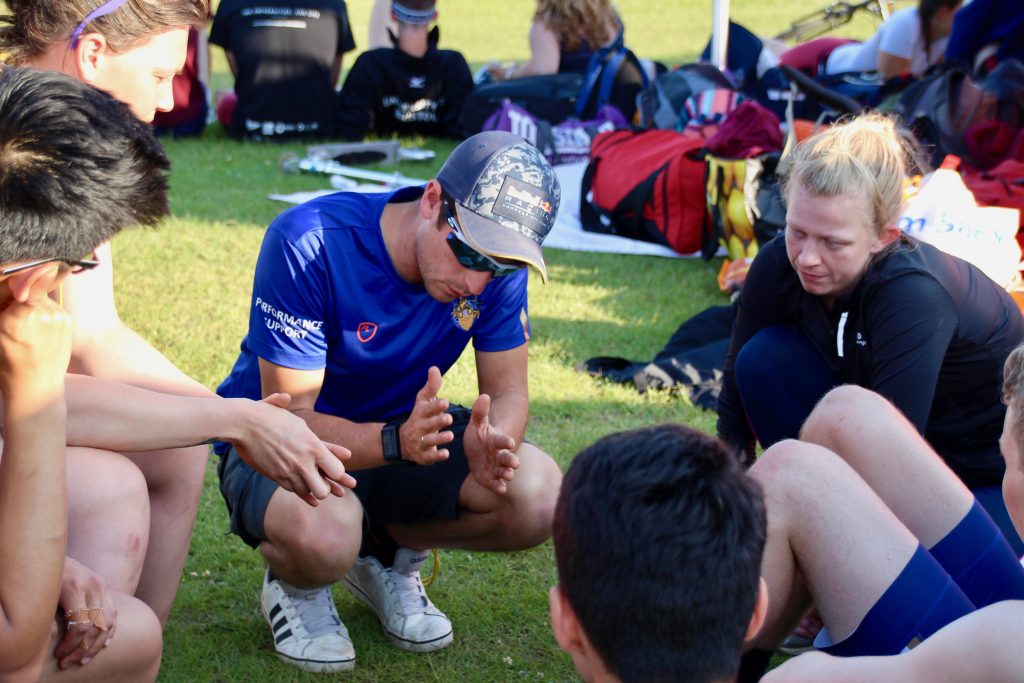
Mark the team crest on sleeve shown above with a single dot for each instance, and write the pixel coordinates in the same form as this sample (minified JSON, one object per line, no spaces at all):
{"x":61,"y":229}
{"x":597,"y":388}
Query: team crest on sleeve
{"x":465,"y":312}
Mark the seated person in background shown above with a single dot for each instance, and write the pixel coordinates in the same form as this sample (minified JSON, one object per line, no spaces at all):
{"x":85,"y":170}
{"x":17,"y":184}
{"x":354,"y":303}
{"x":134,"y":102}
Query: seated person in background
{"x":286,"y":59}
{"x":845,"y":297}
{"x":191,"y":91}
{"x":412,"y":88}
{"x":988,"y":31}
{"x":563,"y":36}
{"x":910,"y":41}
{"x":888,"y":560}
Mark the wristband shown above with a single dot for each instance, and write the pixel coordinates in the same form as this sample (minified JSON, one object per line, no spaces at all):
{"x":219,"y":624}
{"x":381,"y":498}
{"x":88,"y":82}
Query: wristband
{"x":391,"y":443}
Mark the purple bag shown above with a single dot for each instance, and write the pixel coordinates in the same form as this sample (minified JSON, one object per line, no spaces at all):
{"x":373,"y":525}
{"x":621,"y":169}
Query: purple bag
{"x":566,"y":143}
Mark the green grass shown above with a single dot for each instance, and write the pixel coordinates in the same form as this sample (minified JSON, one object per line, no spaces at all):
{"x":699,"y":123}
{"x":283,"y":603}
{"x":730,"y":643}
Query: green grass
{"x":186,"y":288}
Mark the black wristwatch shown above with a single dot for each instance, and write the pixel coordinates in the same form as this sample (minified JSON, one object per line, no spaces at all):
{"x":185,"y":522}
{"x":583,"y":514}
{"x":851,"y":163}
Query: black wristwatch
{"x":392,"y":443}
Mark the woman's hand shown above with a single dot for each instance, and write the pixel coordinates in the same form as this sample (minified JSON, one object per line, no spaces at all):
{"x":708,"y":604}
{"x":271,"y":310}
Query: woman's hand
{"x":89,"y":612}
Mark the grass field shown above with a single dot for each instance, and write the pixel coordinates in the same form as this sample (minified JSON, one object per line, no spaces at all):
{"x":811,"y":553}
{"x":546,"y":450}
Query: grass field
{"x":186,"y":287}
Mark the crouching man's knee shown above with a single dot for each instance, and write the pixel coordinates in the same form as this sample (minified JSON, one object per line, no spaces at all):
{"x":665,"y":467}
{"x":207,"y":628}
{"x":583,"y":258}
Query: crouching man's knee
{"x":530,"y":502}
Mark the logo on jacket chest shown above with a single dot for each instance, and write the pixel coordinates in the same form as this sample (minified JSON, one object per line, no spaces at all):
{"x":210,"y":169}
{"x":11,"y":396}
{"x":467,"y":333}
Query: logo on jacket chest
{"x":465,"y":312}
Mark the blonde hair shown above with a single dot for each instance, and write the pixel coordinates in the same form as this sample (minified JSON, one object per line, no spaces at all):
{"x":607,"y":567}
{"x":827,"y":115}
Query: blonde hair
{"x":576,"y":20}
{"x":1013,"y":395}
{"x":34,"y":25}
{"x":865,"y":156}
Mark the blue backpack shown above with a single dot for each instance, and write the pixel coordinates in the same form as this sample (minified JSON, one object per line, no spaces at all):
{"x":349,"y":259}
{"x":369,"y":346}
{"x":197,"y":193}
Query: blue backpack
{"x":614,"y":76}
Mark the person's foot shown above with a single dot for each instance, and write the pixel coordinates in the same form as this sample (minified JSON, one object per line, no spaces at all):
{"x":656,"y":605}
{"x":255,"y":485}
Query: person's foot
{"x":396,"y":594}
{"x":307,"y":630}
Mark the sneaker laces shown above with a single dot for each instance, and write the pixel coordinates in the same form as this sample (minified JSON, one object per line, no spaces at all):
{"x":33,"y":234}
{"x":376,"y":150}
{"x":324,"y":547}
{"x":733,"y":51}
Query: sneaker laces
{"x":410,"y":591}
{"x":315,"y":609}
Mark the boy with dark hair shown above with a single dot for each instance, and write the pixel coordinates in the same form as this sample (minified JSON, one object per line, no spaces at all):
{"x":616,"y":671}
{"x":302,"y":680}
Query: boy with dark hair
{"x":890,"y":562}
{"x":413,"y":88}
{"x":658,"y":537}
{"x":75,"y":168}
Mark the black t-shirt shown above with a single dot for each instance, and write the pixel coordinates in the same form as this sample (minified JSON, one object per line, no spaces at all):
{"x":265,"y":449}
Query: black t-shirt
{"x":284,"y":51}
{"x":388,"y":91}
{"x":927,"y":330}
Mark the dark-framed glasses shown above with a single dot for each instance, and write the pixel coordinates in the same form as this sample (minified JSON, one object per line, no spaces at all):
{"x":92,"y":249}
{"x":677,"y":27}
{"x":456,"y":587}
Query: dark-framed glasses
{"x":77,"y":265}
{"x":468,"y":257}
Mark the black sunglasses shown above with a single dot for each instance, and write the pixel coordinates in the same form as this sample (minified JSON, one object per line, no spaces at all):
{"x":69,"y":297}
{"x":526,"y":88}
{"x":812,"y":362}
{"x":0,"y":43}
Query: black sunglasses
{"x":467,"y":256}
{"x":77,"y":265}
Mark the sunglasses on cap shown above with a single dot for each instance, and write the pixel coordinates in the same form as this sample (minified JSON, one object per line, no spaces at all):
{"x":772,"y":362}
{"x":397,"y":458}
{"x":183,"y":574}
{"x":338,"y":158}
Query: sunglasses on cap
{"x":468,"y":257}
{"x":77,"y":265}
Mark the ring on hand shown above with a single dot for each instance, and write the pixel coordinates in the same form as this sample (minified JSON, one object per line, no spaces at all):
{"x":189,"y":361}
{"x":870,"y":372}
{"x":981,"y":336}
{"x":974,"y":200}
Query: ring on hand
{"x":86,"y":615}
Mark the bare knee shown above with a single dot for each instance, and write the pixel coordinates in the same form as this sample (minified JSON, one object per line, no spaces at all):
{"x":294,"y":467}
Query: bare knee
{"x":530,"y":502}
{"x":139,"y":642}
{"x":318,"y":544}
{"x":840,"y":411}
{"x":108,"y":493}
{"x":790,"y":472}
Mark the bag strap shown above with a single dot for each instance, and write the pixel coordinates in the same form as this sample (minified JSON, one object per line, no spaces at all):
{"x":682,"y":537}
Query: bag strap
{"x":628,"y":214}
{"x":589,"y":216}
{"x":595,"y":69}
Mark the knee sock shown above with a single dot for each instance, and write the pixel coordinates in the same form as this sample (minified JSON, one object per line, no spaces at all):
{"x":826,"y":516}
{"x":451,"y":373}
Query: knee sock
{"x":920,"y":601}
{"x":975,"y":553}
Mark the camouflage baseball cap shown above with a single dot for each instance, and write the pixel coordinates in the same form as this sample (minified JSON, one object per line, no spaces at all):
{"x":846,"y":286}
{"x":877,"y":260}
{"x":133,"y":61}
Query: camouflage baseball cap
{"x":506,"y":196}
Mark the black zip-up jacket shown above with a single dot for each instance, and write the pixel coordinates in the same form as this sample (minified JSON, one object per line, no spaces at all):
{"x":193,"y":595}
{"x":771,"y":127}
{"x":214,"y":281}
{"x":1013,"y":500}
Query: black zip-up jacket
{"x":928,"y":331}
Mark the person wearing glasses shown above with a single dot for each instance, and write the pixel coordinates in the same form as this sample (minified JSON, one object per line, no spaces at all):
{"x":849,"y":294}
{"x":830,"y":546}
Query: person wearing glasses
{"x":82,"y":551}
{"x":45,"y":174}
{"x":132,"y":50}
{"x":361,"y":303}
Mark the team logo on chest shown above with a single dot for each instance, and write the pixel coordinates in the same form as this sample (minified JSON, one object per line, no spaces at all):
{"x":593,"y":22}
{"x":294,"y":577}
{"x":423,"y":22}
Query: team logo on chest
{"x":465,"y":312}
{"x":366,"y":331}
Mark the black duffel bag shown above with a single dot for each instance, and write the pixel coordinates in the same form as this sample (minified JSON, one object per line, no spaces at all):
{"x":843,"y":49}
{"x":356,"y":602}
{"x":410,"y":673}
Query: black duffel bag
{"x":550,"y":98}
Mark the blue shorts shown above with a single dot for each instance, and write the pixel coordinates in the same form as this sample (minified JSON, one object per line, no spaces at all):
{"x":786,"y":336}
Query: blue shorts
{"x":388,"y":494}
{"x":919,"y":602}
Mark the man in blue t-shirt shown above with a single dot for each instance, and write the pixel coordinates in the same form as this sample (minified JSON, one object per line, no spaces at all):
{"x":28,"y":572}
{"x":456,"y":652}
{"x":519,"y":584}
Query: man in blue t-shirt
{"x":360,"y":304}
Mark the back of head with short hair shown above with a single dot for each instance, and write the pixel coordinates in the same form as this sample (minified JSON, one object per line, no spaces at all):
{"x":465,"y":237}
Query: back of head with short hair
{"x":658,"y":537}
{"x":75,"y":167}
{"x":33,"y":25}
{"x":865,"y":155}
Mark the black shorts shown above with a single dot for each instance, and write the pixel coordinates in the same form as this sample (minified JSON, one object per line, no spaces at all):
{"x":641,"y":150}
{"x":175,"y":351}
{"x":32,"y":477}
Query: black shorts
{"x":389,"y":494}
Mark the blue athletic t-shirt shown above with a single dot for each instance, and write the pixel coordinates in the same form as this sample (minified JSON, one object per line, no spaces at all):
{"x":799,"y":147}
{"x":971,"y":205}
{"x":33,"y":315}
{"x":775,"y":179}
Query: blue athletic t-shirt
{"x":326,"y":296}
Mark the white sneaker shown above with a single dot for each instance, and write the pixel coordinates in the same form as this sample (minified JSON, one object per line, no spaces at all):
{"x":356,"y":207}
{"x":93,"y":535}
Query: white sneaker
{"x":396,"y":594}
{"x":307,"y":630}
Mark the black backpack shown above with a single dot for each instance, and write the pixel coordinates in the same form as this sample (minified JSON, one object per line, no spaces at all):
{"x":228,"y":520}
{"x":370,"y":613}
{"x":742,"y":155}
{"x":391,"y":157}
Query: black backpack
{"x":941,"y":109}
